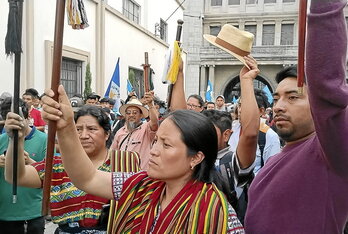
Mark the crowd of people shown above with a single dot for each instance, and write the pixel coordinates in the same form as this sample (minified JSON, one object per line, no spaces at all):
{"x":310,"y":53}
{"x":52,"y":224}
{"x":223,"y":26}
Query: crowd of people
{"x":198,"y":167}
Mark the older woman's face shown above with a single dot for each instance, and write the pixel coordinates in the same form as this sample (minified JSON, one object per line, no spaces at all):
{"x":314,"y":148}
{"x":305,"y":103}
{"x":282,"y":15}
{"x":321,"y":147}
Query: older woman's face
{"x":169,"y":160}
{"x":92,"y":136}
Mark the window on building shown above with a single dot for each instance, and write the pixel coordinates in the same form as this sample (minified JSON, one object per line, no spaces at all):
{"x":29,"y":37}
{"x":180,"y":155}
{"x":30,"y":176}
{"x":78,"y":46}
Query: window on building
{"x":270,"y":1}
{"x":163,"y":30}
{"x":288,"y":0}
{"x":216,"y":2}
{"x":287,"y":34}
{"x":268,"y":34}
{"x":233,"y":2}
{"x":251,"y":1}
{"x":251,"y":29}
{"x":71,"y":76}
{"x":214,"y":30}
{"x":131,"y":10}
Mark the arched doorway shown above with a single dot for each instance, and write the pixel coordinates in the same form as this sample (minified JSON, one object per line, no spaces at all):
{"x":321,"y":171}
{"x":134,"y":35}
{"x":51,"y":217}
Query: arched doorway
{"x":233,"y":87}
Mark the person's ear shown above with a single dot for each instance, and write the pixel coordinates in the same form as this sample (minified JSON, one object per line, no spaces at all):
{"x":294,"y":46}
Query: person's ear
{"x":196,"y":159}
{"x":226,"y":135}
{"x":262,"y":111}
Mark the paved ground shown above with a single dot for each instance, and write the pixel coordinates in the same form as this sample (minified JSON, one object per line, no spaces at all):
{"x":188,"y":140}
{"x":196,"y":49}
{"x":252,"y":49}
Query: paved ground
{"x":50,"y":228}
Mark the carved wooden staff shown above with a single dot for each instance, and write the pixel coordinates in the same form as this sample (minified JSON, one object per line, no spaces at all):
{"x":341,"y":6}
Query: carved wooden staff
{"x":52,"y":127}
{"x":146,"y":66}
{"x":178,"y":36}
{"x":13,"y":45}
{"x":302,"y":23}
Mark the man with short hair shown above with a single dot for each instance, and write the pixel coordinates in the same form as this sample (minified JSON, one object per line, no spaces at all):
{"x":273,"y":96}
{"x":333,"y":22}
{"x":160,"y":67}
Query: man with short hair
{"x":137,"y":135}
{"x":268,"y":140}
{"x":104,"y":102}
{"x":220,"y":103}
{"x":92,"y":99}
{"x":34,"y":115}
{"x":304,"y":188}
{"x":195,"y":103}
{"x":210,"y":106}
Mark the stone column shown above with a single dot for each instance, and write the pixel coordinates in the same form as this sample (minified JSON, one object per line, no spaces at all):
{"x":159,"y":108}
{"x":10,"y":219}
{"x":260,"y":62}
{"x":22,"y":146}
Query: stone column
{"x":203,"y":81}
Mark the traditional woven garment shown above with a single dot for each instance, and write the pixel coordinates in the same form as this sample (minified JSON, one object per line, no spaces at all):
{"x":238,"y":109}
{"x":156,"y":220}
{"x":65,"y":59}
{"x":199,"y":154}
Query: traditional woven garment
{"x":121,"y":161}
{"x":68,"y":203}
{"x":198,"y":208}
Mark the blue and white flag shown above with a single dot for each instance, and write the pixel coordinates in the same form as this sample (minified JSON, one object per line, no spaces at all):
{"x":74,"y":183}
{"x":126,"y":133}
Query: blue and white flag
{"x":234,"y":100}
{"x":208,"y":94}
{"x":129,"y":86}
{"x":268,"y":94}
{"x":113,"y":90}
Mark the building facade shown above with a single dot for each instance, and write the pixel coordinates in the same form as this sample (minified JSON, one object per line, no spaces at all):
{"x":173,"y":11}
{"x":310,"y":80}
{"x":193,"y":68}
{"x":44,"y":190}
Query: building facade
{"x":274,"y":24}
{"x":124,"y":29}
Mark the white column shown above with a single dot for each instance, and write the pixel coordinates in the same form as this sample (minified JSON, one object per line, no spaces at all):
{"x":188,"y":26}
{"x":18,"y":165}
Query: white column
{"x":203,"y":82}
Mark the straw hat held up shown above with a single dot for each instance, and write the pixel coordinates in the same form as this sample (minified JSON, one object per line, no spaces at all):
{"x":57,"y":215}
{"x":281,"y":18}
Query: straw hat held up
{"x":233,"y":40}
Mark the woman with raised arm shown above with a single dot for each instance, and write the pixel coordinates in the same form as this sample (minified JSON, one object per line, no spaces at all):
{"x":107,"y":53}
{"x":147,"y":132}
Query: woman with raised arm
{"x":180,"y":192}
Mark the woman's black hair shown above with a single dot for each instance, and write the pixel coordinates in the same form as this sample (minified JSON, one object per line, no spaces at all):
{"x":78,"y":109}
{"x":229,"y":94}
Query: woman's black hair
{"x":99,"y":114}
{"x":199,"y":134}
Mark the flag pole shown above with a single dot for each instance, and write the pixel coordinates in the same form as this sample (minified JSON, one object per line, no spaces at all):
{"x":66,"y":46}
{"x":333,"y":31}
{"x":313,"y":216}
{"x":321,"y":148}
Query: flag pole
{"x":302,"y":18}
{"x":52,"y":127}
{"x":178,"y":36}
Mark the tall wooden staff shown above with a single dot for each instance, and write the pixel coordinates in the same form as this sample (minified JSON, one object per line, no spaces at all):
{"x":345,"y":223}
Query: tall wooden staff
{"x":302,"y":18}
{"x":77,"y":21}
{"x":178,"y":36}
{"x":52,"y":127}
{"x":13,"y":45}
{"x":146,"y":66}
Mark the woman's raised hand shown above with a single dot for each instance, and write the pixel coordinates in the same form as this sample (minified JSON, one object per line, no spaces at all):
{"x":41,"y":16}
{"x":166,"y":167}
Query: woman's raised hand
{"x":60,"y":111}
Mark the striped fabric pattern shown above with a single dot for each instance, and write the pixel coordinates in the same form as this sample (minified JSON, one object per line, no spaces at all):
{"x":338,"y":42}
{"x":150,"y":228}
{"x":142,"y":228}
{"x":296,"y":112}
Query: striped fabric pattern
{"x":121,"y":161}
{"x":197,"y":208}
{"x":68,"y":203}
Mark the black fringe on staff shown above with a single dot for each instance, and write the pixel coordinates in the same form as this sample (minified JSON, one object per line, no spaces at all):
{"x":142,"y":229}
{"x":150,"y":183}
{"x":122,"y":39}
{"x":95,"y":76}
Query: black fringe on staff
{"x":13,"y":36}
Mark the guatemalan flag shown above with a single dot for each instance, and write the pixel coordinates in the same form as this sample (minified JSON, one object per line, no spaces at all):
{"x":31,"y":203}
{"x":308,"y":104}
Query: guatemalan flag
{"x":129,"y":86}
{"x":268,"y":94}
{"x":208,"y":94}
{"x":113,"y":90}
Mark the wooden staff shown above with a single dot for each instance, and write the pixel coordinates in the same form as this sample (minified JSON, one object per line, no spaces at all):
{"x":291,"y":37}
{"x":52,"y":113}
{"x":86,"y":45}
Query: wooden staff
{"x":302,"y":18}
{"x":52,"y":127}
{"x":146,"y":66}
{"x":178,"y":36}
{"x":13,"y":45}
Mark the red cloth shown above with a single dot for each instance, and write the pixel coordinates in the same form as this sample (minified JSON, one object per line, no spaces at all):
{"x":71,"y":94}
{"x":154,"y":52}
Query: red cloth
{"x":36,"y":116}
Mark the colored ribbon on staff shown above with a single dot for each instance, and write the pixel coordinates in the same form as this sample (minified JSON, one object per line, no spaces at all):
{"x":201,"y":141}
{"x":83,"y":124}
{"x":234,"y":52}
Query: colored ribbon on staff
{"x":76,"y":13}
